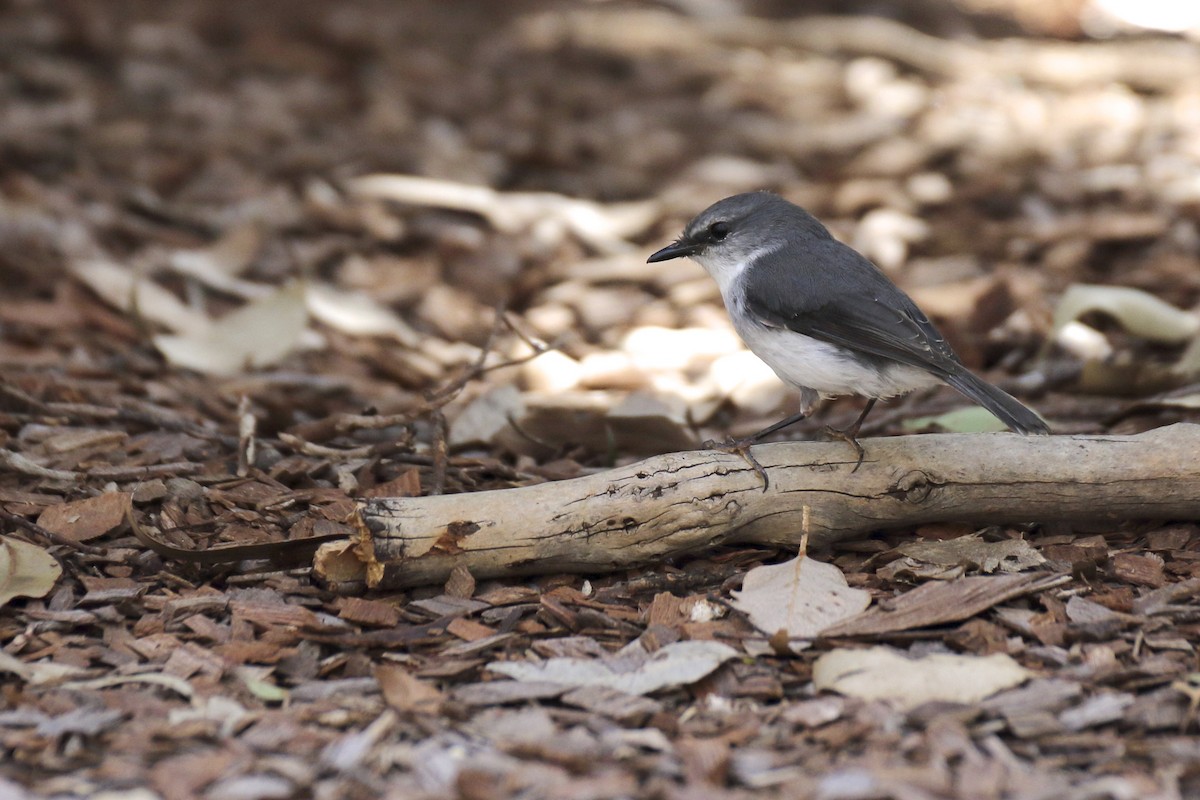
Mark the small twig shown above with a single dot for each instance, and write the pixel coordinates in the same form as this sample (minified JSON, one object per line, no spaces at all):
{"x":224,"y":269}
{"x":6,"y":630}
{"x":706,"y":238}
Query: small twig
{"x":515,"y":362}
{"x":247,"y":425}
{"x":536,"y":345}
{"x":451,"y":389}
{"x":133,"y":473}
{"x":151,"y":416}
{"x":19,"y":463}
{"x":441,"y":397}
{"x":343,"y":424}
{"x":321,"y":451}
{"x":23,"y":399}
{"x":440,"y":453}
{"x":524,"y":434}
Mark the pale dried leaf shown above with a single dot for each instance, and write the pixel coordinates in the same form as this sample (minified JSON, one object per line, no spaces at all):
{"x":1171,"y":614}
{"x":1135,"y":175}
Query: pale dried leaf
{"x":1099,"y":709}
{"x":494,"y":693}
{"x":256,"y":335}
{"x":603,"y":227}
{"x":26,"y":570}
{"x":1084,"y":342}
{"x":82,"y":721}
{"x":802,"y":597}
{"x":37,"y":673}
{"x":881,"y":673}
{"x":357,"y":314}
{"x":347,"y":752}
{"x":677,"y":664}
{"x":1188,"y":364}
{"x":225,"y":711}
{"x":1140,"y":313}
{"x":121,"y":288}
{"x":176,"y":684}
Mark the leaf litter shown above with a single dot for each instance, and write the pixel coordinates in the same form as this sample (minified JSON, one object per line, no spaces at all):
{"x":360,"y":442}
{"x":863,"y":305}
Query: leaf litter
{"x":151,"y":195}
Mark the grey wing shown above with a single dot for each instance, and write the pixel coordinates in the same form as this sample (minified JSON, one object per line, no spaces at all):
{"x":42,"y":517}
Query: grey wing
{"x":855,"y":306}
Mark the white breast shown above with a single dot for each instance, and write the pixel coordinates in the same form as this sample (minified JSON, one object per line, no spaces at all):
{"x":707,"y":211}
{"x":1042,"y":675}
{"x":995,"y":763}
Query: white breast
{"x":812,"y":365}
{"x":807,"y":363}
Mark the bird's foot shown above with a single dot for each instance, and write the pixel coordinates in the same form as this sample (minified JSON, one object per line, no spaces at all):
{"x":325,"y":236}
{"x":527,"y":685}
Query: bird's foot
{"x":741,"y":447}
{"x":850,"y":437}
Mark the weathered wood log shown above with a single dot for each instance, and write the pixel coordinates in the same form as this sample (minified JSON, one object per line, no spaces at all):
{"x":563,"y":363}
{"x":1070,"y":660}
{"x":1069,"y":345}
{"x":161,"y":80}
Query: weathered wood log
{"x":685,"y":502}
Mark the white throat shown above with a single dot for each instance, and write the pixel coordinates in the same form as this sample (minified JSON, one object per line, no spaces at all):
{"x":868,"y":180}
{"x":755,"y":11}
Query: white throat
{"x":726,"y":267}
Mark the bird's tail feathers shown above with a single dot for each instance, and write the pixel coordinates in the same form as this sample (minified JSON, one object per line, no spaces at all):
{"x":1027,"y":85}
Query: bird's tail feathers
{"x":1007,"y":408}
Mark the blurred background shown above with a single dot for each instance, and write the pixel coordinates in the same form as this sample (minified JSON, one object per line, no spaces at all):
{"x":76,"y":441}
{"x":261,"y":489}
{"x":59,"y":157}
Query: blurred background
{"x":427,"y":166}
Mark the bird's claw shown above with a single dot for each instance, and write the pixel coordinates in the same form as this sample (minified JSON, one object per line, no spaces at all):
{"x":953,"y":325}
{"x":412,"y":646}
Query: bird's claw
{"x":849,"y":438}
{"x":740,"y":447}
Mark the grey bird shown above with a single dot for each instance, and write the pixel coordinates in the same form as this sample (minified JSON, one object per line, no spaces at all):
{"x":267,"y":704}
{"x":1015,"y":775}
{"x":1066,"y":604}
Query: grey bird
{"x":823,"y":317}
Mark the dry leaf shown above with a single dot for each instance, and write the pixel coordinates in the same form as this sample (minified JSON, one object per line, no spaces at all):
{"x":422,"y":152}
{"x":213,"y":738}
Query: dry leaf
{"x":802,"y":597}
{"x":256,"y":335}
{"x":939,"y":602}
{"x":1189,"y":401}
{"x":81,"y":721}
{"x":1140,"y":313}
{"x":38,"y":673}
{"x":26,"y":570}
{"x":970,"y":419}
{"x":357,"y":314}
{"x":677,"y":664}
{"x":90,"y":518}
{"x":407,"y":693}
{"x":121,"y":288}
{"x":950,"y":558}
{"x":603,"y":227}
{"x":881,"y":673}
{"x":486,"y":416}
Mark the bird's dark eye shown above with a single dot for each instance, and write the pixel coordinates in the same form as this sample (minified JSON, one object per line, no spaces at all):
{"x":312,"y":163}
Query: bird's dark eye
{"x":718,"y":230}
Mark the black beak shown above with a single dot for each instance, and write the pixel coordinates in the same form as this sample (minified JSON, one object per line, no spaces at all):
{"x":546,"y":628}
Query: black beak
{"x":674,"y":250}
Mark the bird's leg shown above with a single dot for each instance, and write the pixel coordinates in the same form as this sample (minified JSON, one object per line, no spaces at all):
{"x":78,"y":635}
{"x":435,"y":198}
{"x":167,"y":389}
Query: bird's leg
{"x":741,"y":446}
{"x":778,"y":426}
{"x":850,"y":435}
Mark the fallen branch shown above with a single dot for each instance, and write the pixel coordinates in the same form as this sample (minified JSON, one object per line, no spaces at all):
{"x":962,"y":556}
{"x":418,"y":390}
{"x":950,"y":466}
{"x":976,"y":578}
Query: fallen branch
{"x":685,"y":502}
